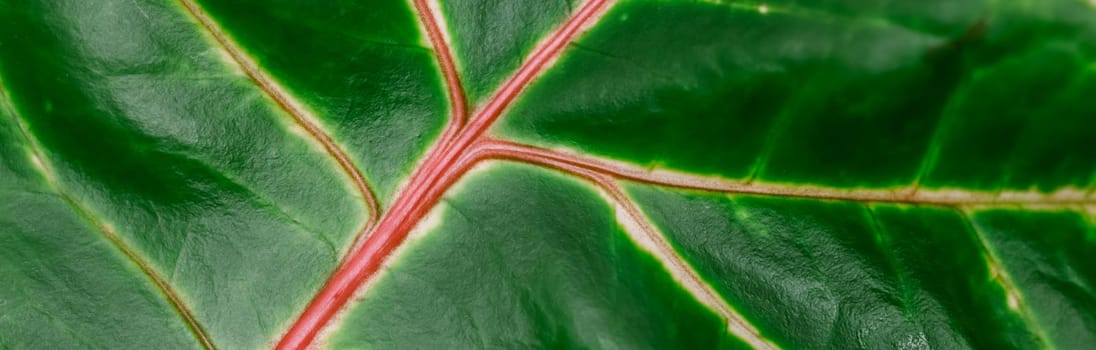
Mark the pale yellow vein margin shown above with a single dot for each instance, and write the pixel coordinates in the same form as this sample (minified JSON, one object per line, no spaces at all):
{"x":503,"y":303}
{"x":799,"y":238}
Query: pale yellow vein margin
{"x":643,"y":233}
{"x":41,"y":163}
{"x":1013,"y":296}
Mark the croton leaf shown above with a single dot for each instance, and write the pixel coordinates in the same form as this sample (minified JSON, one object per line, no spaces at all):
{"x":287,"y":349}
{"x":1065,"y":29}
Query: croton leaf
{"x":389,"y":174}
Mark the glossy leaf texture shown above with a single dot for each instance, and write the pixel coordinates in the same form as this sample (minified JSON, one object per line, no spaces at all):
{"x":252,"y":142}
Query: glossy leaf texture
{"x":630,"y":174}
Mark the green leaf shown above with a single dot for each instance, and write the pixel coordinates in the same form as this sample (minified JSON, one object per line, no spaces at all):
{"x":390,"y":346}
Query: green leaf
{"x":779,"y":174}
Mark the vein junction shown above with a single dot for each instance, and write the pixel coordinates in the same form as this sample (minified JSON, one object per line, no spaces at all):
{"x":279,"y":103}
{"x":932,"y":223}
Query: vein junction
{"x":444,"y":164}
{"x":463,"y":145}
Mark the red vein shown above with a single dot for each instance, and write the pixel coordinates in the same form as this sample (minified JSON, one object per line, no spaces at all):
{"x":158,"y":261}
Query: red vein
{"x":455,"y":90}
{"x":441,"y":168}
{"x":292,"y":107}
{"x":680,"y":180}
{"x":444,"y":55}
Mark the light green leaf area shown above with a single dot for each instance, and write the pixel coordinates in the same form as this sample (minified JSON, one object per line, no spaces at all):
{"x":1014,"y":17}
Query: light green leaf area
{"x":524,"y":257}
{"x":779,"y":174}
{"x":61,"y":276}
{"x":830,"y":274}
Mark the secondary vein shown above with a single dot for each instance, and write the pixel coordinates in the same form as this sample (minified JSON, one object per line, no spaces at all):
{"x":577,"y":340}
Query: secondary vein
{"x":644,"y":233}
{"x":291,"y":106}
{"x":43,"y":166}
{"x":431,"y":22}
{"x":998,"y":273}
{"x":911,"y":195}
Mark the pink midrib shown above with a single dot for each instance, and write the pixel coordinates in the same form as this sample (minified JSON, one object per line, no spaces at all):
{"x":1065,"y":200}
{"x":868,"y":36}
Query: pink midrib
{"x":443,"y":166}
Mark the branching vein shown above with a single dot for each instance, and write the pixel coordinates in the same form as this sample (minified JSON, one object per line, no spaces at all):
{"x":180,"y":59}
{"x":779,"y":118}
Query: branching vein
{"x":444,"y":164}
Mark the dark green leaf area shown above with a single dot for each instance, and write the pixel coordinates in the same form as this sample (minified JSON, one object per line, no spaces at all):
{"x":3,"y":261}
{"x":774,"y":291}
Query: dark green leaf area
{"x":1015,"y":126}
{"x":526,"y":258}
{"x":823,"y":274}
{"x":1051,"y":257}
{"x":491,"y":39}
{"x":834,"y":93}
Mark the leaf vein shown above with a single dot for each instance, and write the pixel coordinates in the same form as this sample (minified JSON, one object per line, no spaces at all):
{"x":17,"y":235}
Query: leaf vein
{"x":643,"y":233}
{"x":85,"y":213}
{"x":291,"y":106}
{"x":998,"y":273}
{"x":621,"y":170}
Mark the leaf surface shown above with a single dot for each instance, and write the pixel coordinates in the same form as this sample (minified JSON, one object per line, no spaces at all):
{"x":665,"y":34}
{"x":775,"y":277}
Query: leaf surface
{"x":547,"y":174}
